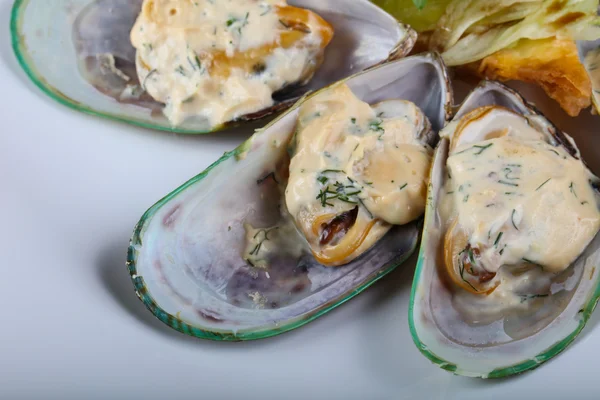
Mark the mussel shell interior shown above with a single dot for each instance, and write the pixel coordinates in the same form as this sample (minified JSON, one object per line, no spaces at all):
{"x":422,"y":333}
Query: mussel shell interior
{"x":185,"y":255}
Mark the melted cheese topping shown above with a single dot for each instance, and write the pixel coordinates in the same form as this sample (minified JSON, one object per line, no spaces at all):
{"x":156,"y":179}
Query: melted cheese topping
{"x":525,"y":208}
{"x":348,"y":154}
{"x":216,"y":60}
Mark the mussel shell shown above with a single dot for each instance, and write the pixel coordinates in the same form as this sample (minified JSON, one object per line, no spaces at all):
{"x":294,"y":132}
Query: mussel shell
{"x":185,"y":254}
{"x":57,"y":44}
{"x":501,"y":359}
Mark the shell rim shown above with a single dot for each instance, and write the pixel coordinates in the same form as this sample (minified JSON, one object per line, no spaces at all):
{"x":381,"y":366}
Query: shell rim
{"x":510,"y":370}
{"x":399,"y":50}
{"x":256,"y":333}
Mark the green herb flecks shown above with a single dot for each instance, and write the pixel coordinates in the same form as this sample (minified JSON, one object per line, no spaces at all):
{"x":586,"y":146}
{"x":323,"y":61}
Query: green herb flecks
{"x":325,"y":195}
{"x":148,"y":77}
{"x":189,"y":99}
{"x":554,"y":151}
{"x":512,"y":219}
{"x":546,"y":181}
{"x":267,"y":9}
{"x":239,"y":23}
{"x":461,"y":270}
{"x":507,"y":183}
{"x":498,"y":239}
{"x":480,"y":149}
{"x":180,"y":70}
{"x":267,"y":176}
{"x":365,"y":207}
{"x":572,"y":189}
{"x":347,"y":193}
{"x":376,"y":127}
{"x":265,"y":237}
{"x":528,"y":261}
{"x":507,"y":172}
{"x":323,"y":179}
{"x":525,"y":297}
{"x":403,"y":186}
{"x":471,"y":256}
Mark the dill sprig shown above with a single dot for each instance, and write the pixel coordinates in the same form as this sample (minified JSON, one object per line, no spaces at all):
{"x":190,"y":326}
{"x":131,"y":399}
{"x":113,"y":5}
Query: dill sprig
{"x":546,"y":181}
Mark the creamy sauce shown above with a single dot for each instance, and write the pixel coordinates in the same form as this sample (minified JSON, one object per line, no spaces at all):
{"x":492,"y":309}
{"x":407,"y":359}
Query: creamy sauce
{"x":524,"y":208}
{"x":217,"y":60}
{"x":350,"y":156}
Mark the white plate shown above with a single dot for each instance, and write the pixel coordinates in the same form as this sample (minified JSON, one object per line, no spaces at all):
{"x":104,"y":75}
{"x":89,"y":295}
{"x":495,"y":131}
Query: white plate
{"x":73,"y":187}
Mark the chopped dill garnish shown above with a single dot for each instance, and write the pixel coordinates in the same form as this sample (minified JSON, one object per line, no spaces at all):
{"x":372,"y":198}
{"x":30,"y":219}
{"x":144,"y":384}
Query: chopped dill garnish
{"x":340,"y":191}
{"x":266,"y":232}
{"x":471,"y":255}
{"x":508,"y":183}
{"x":241,"y":22}
{"x":365,"y":207}
{"x":461,"y":270}
{"x":498,"y":239}
{"x":525,"y":297}
{"x":481,"y":149}
{"x":546,"y":181}
{"x":403,"y":186}
{"x":376,"y":127}
{"x":512,"y":219}
{"x":507,"y":172}
{"x":180,"y":70}
{"x":264,"y":178}
{"x":571,"y":187}
{"x":148,"y":77}
{"x":267,"y":9}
